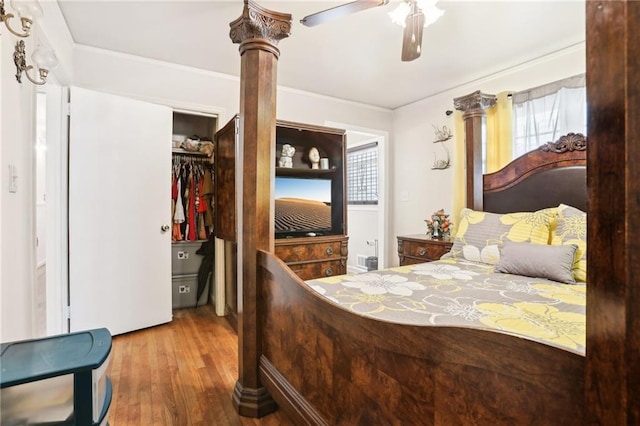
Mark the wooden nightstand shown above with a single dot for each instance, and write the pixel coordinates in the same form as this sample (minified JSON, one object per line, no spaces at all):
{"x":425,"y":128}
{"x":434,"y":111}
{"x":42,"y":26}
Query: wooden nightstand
{"x":420,"y":248}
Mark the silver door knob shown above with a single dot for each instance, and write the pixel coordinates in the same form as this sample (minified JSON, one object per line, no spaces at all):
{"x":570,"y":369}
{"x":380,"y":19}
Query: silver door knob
{"x":165,"y":227}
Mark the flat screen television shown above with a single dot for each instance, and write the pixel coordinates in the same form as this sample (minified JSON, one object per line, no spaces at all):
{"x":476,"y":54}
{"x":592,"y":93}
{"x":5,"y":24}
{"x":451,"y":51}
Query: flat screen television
{"x":302,"y":206}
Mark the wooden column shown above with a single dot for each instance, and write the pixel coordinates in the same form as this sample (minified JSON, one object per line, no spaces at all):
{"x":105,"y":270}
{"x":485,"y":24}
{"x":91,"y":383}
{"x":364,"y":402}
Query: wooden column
{"x":258,"y":31}
{"x":474,"y":106}
{"x":613,"y":184}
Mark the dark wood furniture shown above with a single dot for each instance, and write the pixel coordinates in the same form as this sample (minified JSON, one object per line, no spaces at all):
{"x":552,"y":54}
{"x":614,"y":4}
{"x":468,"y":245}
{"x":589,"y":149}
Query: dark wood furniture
{"x":257,"y":31}
{"x":419,"y":248}
{"x":314,"y":257}
{"x":613,"y":299}
{"x":607,"y":393}
{"x":330,"y":366}
{"x":309,"y":257}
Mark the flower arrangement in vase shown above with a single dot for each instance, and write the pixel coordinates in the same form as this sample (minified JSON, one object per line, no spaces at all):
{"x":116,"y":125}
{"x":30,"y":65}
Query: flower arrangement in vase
{"x":439,"y":226}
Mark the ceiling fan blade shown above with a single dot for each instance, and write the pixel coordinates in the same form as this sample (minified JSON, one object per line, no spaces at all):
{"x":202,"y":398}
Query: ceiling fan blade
{"x":412,"y":36}
{"x":342,"y":10}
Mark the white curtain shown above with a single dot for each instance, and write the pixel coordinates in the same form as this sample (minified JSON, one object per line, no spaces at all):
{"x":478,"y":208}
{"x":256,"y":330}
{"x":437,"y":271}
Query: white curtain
{"x":545,"y":113}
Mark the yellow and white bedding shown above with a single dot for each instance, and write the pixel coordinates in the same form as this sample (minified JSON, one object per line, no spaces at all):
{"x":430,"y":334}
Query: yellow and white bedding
{"x":460,"y":293}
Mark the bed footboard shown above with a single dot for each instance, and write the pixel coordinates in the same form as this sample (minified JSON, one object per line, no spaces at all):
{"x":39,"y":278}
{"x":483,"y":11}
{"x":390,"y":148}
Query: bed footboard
{"x":324,"y":364}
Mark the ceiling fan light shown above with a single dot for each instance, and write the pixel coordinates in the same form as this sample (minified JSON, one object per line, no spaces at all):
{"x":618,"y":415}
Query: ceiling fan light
{"x":400,"y":13}
{"x":432,"y":14}
{"x":428,"y":7}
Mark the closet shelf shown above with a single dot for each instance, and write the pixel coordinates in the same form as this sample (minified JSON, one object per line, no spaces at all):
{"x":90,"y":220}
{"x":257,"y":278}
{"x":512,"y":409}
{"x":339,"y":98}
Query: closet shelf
{"x":185,"y":152}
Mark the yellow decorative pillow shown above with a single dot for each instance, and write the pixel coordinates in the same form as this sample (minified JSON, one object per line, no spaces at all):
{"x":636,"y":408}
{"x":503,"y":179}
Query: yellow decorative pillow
{"x":572,"y":229}
{"x":481,"y":235}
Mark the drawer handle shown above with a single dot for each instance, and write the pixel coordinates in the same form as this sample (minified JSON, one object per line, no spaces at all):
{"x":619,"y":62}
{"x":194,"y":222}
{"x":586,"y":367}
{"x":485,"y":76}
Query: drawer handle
{"x":423,"y":251}
{"x":297,"y":250}
{"x":328,"y":272}
{"x":329,"y":251}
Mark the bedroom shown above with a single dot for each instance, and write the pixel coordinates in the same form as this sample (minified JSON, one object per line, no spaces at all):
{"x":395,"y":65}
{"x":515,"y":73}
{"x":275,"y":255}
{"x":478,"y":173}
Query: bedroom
{"x":21,"y":299}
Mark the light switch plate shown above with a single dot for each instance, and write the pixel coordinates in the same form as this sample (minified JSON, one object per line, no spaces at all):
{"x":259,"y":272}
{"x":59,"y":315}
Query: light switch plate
{"x":13,"y":178}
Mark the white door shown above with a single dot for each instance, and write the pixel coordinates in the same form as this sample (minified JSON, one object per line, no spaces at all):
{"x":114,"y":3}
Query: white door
{"x":119,"y":192}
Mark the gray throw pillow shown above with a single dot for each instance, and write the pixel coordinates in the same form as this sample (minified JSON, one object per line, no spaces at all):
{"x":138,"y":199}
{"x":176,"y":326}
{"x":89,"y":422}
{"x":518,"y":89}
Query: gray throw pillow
{"x":538,"y":261}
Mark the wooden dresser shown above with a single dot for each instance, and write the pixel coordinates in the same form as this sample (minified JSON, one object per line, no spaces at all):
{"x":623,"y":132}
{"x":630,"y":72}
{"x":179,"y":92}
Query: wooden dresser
{"x":314,"y":257}
{"x":420,"y":248}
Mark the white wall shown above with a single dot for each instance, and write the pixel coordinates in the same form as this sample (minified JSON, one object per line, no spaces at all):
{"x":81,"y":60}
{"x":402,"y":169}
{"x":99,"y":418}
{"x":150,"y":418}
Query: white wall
{"x":17,"y":209}
{"x":182,"y":86}
{"x":428,"y":190}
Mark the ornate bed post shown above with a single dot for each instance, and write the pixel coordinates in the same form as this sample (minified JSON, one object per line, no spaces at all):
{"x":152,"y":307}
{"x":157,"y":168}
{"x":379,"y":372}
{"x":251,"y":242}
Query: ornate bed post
{"x":613,"y":183}
{"x":474,"y":106}
{"x":258,"y":31}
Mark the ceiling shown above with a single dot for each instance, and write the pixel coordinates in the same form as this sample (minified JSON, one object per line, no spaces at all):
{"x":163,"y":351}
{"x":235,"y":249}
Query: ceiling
{"x":356,"y":57}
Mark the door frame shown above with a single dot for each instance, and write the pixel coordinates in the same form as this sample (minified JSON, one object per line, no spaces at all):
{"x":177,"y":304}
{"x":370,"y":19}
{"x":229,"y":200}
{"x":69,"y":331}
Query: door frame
{"x":56,"y":222}
{"x":383,"y":178}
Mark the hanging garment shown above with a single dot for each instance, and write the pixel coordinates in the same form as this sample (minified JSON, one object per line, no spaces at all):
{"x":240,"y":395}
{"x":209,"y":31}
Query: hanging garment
{"x":202,"y":202}
{"x":202,"y":230}
{"x":207,"y":196}
{"x":179,"y":216}
{"x":184,"y":193}
{"x":192,"y":208}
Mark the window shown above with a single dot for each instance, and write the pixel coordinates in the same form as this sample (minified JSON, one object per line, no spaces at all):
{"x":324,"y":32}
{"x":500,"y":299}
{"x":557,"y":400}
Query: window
{"x":545,"y":113}
{"x":362,"y":174}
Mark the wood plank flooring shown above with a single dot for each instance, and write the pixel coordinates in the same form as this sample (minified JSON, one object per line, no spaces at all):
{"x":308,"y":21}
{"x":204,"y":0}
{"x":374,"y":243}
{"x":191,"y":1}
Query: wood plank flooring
{"x":182,"y":373}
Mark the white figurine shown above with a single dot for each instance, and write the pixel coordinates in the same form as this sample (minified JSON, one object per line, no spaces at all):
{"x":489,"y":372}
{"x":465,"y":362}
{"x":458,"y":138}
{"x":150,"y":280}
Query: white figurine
{"x":286,"y":159}
{"x":314,"y":157}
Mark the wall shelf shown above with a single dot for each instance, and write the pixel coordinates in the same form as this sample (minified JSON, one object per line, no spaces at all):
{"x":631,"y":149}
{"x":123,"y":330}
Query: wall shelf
{"x":307,"y":173}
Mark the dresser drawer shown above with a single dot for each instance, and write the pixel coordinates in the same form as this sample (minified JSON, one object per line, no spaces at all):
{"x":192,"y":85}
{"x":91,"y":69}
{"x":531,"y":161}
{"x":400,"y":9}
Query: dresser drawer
{"x":420,"y":248}
{"x":424,"y":251}
{"x":312,"y":251}
{"x":311,"y":270}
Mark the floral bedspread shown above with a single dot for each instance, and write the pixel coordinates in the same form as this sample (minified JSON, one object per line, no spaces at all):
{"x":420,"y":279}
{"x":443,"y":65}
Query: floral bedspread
{"x":465,"y":294}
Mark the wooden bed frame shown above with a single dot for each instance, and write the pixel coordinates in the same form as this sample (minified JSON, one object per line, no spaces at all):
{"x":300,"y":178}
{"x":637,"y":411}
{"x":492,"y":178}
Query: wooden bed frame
{"x":328,"y":365}
{"x":325,"y":365}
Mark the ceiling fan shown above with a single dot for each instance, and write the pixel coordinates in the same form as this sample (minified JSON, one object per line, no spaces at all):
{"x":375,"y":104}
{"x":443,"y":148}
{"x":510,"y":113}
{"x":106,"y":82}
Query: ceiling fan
{"x":410,"y":14}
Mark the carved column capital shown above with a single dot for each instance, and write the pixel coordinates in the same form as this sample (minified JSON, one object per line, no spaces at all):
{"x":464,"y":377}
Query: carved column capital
{"x":474,"y":101}
{"x":260,"y":28}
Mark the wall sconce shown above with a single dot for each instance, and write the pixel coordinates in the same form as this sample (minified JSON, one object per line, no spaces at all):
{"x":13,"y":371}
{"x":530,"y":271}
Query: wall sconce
{"x":28,"y":11}
{"x":44,"y":58}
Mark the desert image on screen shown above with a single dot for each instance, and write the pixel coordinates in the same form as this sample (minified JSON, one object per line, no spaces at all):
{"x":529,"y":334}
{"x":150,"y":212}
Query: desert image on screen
{"x":302,"y":204}
{"x":296,"y":214}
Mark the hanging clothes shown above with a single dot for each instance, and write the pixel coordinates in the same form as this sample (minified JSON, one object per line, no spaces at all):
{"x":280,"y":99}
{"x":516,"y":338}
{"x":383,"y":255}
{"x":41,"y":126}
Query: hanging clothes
{"x":207,"y":196}
{"x":192,"y":207}
{"x":190,"y":210}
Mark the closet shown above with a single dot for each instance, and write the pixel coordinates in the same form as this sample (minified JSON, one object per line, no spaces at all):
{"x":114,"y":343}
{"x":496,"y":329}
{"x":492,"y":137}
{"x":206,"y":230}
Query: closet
{"x":192,"y":208}
{"x":125,"y":271}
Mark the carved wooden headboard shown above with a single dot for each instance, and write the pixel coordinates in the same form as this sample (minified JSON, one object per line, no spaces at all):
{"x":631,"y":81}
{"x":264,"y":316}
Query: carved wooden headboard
{"x":552,"y":174}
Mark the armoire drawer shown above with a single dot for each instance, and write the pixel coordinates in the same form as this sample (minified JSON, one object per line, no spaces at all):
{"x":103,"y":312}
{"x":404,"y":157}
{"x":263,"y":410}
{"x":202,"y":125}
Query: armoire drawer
{"x":184,"y":259}
{"x":311,"y":270}
{"x":310,"y":251}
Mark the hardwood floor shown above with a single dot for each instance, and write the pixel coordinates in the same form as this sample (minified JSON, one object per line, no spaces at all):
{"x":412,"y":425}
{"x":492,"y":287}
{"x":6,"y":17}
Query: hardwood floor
{"x":181,"y":373}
